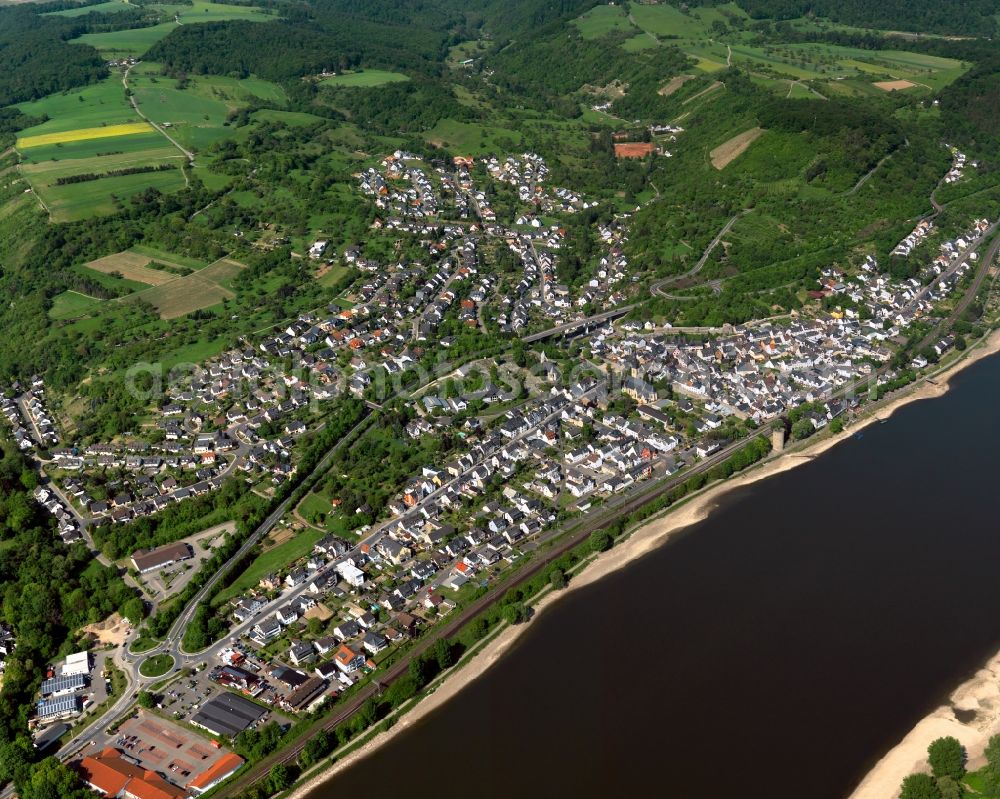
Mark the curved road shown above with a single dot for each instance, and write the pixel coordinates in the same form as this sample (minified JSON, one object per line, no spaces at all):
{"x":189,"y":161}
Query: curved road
{"x":657,"y":287}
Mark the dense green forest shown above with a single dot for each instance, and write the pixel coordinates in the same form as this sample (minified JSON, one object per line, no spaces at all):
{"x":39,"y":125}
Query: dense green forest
{"x":286,"y":50}
{"x":36,"y":58}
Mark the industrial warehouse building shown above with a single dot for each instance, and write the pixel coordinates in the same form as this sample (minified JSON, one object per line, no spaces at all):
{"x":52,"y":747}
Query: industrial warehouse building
{"x":227,"y":714}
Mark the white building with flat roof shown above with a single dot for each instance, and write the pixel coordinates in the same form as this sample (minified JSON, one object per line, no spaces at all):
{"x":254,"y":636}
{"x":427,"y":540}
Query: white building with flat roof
{"x":78,"y":663}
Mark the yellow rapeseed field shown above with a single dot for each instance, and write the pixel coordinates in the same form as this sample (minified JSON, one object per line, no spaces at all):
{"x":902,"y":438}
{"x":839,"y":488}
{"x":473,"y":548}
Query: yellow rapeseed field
{"x":83,"y":134}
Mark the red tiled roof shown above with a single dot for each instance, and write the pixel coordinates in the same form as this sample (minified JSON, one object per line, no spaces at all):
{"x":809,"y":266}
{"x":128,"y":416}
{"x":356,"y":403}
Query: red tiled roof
{"x":111,"y":774}
{"x":107,"y":772}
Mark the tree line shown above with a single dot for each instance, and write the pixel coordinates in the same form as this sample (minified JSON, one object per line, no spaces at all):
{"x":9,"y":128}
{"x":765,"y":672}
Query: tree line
{"x":86,"y":177}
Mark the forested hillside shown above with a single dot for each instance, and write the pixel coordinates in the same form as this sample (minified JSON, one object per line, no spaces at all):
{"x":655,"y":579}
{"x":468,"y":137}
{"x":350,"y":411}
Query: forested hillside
{"x":975,"y":17}
{"x":48,"y":591}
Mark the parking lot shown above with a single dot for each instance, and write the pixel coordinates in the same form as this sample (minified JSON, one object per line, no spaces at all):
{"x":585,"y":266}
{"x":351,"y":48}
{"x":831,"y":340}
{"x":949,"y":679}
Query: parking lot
{"x":184,"y":696}
{"x":169,"y":749}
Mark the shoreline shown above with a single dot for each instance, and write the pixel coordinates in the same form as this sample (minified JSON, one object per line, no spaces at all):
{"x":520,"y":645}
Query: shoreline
{"x":657,"y":531}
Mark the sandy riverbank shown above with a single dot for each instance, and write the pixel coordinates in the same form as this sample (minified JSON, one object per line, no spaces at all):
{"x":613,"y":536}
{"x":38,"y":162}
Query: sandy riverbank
{"x":655,"y":533}
{"x":979,"y":696}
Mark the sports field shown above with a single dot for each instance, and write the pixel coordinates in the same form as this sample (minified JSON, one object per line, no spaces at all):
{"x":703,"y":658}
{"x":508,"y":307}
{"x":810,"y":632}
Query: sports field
{"x":84,"y":134}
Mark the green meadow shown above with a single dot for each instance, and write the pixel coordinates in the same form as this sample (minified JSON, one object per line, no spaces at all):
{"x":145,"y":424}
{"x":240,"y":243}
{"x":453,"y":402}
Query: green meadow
{"x":109,"y":281}
{"x":119,"y":44}
{"x":93,"y":106}
{"x":602,"y":20}
{"x":471,"y":137}
{"x":366,"y":78}
{"x":72,"y":304}
{"x":202,"y":11}
{"x":196,"y":114}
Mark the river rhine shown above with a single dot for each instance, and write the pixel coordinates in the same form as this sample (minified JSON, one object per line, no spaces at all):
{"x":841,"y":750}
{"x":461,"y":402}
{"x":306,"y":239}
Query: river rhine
{"x":777,"y":649}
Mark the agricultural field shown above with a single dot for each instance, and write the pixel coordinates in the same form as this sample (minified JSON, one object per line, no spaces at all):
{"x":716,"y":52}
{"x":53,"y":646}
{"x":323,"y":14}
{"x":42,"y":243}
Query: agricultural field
{"x":94,"y":132}
{"x":135,"y":145}
{"x":83,"y":134}
{"x":202,"y":289}
{"x":77,"y":201}
{"x":830,"y":64}
{"x":365,"y":79}
{"x":93,"y":106}
{"x":131,"y":266}
{"x":709,"y":37}
{"x":671,"y":22}
{"x":108,"y":281}
{"x":173,"y":284}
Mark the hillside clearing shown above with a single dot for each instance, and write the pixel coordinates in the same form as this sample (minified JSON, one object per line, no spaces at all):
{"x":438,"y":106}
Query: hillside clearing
{"x":674,"y":84}
{"x":728,"y":151}
{"x":365,"y":79}
{"x":717,"y":85}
